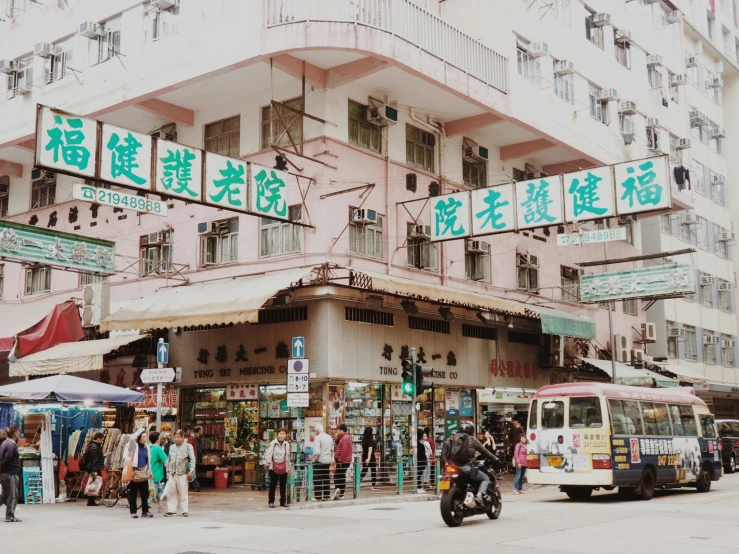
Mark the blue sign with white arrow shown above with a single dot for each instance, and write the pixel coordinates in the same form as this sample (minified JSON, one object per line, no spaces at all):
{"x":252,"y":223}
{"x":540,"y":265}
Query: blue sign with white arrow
{"x":163,"y":353}
{"x":298,"y":347}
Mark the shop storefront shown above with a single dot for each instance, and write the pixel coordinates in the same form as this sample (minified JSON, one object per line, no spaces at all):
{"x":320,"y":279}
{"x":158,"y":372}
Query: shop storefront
{"x":499,"y":408}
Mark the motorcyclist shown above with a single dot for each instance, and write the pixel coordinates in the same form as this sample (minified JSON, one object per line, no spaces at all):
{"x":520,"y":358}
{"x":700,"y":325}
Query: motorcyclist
{"x":461,"y":450}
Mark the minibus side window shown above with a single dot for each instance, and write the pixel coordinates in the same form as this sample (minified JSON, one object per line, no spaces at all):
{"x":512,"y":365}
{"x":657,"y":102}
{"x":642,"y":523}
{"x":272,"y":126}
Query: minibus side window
{"x":533,"y":413}
{"x":708,"y":428}
{"x":625,"y":417}
{"x":585,"y":412}
{"x":683,"y":420}
{"x":553,"y":414}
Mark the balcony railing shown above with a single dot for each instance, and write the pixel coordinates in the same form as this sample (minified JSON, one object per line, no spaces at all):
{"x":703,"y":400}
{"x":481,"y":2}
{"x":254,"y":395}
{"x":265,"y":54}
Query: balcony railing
{"x":405,"y":20}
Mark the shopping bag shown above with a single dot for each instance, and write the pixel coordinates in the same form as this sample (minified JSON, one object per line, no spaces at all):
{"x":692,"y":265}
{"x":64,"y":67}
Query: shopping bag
{"x":152,"y":490}
{"x":127,"y":473}
{"x":94,"y":486}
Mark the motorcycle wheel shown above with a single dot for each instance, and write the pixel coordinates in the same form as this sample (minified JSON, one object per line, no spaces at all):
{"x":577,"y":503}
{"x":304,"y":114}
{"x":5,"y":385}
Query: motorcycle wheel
{"x":452,"y":509}
{"x":494,"y":511}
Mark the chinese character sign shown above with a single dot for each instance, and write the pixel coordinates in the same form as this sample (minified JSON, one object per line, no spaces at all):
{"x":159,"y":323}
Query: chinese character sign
{"x":66,"y":142}
{"x":652,"y":281}
{"x":20,"y":242}
{"x":179,"y":170}
{"x":125,"y":157}
{"x":642,"y":185}
{"x":493,"y":210}
{"x":588,"y":194}
{"x":539,"y":202}
{"x":450,"y":216}
{"x":225,"y":182}
{"x":269,"y":191}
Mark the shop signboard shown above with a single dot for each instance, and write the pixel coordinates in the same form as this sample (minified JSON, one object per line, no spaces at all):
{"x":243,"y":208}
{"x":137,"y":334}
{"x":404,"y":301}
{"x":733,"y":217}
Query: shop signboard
{"x":588,"y":194}
{"x":226,"y":182}
{"x":466,"y":408}
{"x":493,"y":210}
{"x":452,"y":403}
{"x":450,"y":216}
{"x":539,"y":202}
{"x":268,"y":192}
{"x":66,"y":142}
{"x":242,"y":392}
{"x":27,"y":243}
{"x":118,"y":199}
{"x":660,"y":280}
{"x":179,"y":171}
{"x":452,"y":426}
{"x":643,"y":185}
{"x":125,"y":157}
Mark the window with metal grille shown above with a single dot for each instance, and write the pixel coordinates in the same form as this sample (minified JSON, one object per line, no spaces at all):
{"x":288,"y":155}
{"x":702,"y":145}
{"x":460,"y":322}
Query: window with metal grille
{"x":727,"y":351}
{"x":671,"y":341}
{"x":90,"y":278}
{"x":366,"y":239}
{"x":220,"y":246}
{"x":273,"y":128}
{"x":55,"y":66}
{"x":474,"y":173}
{"x":630,"y":306}
{"x":224,"y":136}
{"x":43,"y":190}
{"x":155,"y":253}
{"x":362,"y":132}
{"x":363,"y":315}
{"x":278,"y":237}
{"x":38,"y":279}
{"x":528,"y":272}
{"x":426,"y":324}
{"x":523,"y":338}
{"x":479,"y":332}
{"x":691,"y":343}
{"x":109,"y":44}
{"x":420,"y":148}
{"x":421,"y":253}
{"x":283,"y":315}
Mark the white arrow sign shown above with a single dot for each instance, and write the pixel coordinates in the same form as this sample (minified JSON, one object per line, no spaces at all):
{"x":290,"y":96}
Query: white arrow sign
{"x":158,"y":375}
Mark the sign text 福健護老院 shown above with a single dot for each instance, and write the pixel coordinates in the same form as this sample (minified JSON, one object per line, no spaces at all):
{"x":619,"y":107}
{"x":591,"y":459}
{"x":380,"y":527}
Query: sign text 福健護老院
{"x":119,"y":199}
{"x":633,"y":187}
{"x":587,"y":237}
{"x":661,"y":280}
{"x":27,"y":243}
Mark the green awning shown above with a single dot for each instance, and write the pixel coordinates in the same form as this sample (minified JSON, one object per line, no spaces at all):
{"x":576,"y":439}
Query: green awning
{"x":556,"y":322}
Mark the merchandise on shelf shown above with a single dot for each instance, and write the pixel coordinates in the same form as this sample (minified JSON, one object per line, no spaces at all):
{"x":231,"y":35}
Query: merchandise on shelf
{"x":363,"y":409}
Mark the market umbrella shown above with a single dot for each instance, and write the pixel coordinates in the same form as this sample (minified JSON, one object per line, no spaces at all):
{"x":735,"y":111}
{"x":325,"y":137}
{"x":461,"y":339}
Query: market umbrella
{"x":66,"y":388}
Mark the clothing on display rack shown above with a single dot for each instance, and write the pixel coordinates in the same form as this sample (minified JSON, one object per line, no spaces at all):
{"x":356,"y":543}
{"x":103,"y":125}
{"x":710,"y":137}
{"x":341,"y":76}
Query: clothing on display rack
{"x":7,"y":415}
{"x":124,"y":418}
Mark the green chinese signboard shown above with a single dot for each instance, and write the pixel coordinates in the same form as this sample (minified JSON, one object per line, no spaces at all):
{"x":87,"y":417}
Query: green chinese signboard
{"x":450,"y":216}
{"x":226,"y":182}
{"x":661,"y":280}
{"x":268,"y":192}
{"x":179,"y":170}
{"x":125,"y":157}
{"x":26,"y":243}
{"x":66,"y":142}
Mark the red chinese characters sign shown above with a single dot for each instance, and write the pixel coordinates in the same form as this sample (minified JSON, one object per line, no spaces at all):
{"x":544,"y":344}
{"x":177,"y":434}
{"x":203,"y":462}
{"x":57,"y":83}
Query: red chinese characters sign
{"x":526,"y":370}
{"x":236,"y":393}
{"x":170,"y":398}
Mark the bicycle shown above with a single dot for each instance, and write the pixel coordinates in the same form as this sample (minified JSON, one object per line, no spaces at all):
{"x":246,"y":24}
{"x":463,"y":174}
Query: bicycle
{"x":114,"y":489}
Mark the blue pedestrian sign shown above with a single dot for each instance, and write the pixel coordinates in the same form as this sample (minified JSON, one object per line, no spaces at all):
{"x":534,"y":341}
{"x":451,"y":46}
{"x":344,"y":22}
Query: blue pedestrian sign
{"x":163,"y":353}
{"x":298,"y":347}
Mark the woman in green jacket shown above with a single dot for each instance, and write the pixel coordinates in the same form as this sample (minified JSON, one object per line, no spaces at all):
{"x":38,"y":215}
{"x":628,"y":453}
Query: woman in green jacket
{"x":157,"y":464}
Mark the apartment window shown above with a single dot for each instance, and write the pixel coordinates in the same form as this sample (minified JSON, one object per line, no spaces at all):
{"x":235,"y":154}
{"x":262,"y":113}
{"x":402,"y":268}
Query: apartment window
{"x":362,"y":132}
{"x":724,"y":295}
{"x":564,"y":85}
{"x":2,"y":280}
{"x":4,"y":195}
{"x":477,"y":260}
{"x":715,"y":144}
{"x":474,"y":173}
{"x":691,"y":343}
{"x":593,"y":33}
{"x":43,"y":189}
{"x":722,"y":246}
{"x":38,"y":279}
{"x":528,"y":272}
{"x":155,"y":250}
{"x":713,"y":93}
{"x":421,"y":253}
{"x":366,"y":239}
{"x":598,"y":108}
{"x":710,"y":24}
{"x":570,"y":283}
{"x":727,"y":351}
{"x":692,"y":75}
{"x":163,"y":22}
{"x":623,"y":53}
{"x":654,"y":75}
{"x":676,"y":155}
{"x":566,"y":12}
{"x":19,"y":83}
{"x":705,"y":291}
{"x":55,"y":66}
{"x":224,"y":137}
{"x":273,"y":128}
{"x":671,"y":341}
{"x":528,"y":67}
{"x":91,"y":278}
{"x":664,"y":223}
{"x":279,"y":237}
{"x":420,"y":148}
{"x":709,"y":348}
{"x":628,"y":225}
{"x":109,"y":44}
{"x":698,"y":176}
{"x":653,"y":139}
{"x":701,"y":232}
{"x":630,"y":306}
{"x":674,"y":89}
{"x":220,"y":245}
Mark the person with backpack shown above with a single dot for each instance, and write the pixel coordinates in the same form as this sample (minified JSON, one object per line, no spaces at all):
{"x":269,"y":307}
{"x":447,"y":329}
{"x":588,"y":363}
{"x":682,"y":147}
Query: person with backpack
{"x":92,"y":462}
{"x":277,"y":463}
{"x":462,"y":452}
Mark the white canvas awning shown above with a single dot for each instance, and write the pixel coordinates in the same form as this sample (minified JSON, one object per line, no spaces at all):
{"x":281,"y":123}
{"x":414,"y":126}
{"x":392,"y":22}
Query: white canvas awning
{"x":227,"y":301}
{"x":16,"y":317}
{"x":69,"y":357}
{"x":685,"y":375}
{"x":627,"y":375}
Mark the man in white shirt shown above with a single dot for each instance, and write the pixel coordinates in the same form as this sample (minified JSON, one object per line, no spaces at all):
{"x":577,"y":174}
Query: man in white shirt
{"x":323,"y":456}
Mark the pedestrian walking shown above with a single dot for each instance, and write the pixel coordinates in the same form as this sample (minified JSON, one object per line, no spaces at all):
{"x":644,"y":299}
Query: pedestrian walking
{"x":422,"y":459}
{"x":426,"y":480}
{"x":180,"y":469}
{"x":277,"y":463}
{"x":521,"y":460}
{"x":165,"y":442}
{"x":369,"y":461}
{"x":323,"y":455}
{"x":343,"y":458}
{"x":158,"y":464}
{"x":10,"y":472}
{"x":139,"y":454}
{"x":432,"y":458}
{"x":195,"y":442}
{"x":94,"y":460}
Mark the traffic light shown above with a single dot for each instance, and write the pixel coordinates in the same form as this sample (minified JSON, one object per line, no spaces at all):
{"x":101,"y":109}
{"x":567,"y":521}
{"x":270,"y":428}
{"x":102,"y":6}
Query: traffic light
{"x":422,"y":385}
{"x":409,"y":385}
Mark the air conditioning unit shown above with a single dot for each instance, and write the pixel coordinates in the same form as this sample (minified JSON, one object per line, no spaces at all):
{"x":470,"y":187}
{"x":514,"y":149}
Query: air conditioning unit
{"x":96,"y":300}
{"x":7,"y":66}
{"x":162,"y":237}
{"x":420,"y":232}
{"x":689,"y":218}
{"x":627,"y":108}
{"x":557,"y":350}
{"x":696,"y":118}
{"x":220,"y":227}
{"x":728,"y":343}
{"x":683,"y":143}
{"x":476,"y":246}
{"x":601,"y":19}
{"x":623,"y":36}
{"x":717,"y":179}
{"x":474,"y":151}
{"x":654,"y":60}
{"x":364,"y":216}
{"x":677,"y":332}
{"x":538,"y":49}
{"x":89,"y":29}
{"x":649,"y":332}
{"x":691,"y":61}
{"x":528,"y":260}
{"x":622,"y":348}
{"x":726,"y":236}
{"x":710,"y":339}
{"x":380,"y":113}
{"x":675,"y":16}
{"x":44,"y":50}
{"x":707,"y":280}
{"x":564,"y":67}
{"x":637,"y":357}
{"x":715,"y":82}
{"x":724,"y":287}
{"x":678,"y":80}
{"x":718,"y":132}
{"x":164,"y":4}
{"x":570,"y":273}
{"x":652,"y":123}
{"x":609,"y":94}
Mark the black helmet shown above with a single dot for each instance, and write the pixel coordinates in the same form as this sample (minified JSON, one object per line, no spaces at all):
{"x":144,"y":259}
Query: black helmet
{"x":467,"y":427}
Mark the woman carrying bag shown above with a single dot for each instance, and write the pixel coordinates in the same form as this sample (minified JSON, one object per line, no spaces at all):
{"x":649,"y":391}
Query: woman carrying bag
{"x":277,"y":463}
{"x":138,"y":456}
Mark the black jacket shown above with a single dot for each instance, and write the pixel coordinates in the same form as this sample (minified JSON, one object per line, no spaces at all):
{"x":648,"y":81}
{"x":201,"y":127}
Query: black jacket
{"x":474,"y":446}
{"x":10,"y":460}
{"x":96,"y":458}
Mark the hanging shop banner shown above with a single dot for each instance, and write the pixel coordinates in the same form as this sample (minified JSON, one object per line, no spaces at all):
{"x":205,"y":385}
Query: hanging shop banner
{"x":539,"y":202}
{"x":661,"y":280}
{"x":493,"y":210}
{"x":225,"y":182}
{"x":588,"y":194}
{"x":450,"y":216}
{"x":66,"y":142}
{"x":118,"y":199}
{"x":125,"y":157}
{"x":179,"y":170}
{"x":452,"y":403}
{"x":643,"y":185}
{"x":26,"y":243}
{"x":268,"y":192}
{"x":466,"y":407}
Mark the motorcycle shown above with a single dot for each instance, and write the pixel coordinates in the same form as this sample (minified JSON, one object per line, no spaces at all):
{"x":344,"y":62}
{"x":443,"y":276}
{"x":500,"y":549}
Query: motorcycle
{"x":458,"y":494}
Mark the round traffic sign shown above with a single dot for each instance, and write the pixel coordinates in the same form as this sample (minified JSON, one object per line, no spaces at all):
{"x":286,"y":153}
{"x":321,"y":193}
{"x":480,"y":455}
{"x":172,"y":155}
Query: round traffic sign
{"x":298,"y":365}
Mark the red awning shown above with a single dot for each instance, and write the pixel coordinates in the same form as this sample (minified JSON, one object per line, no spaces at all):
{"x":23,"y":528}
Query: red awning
{"x":63,"y":324}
